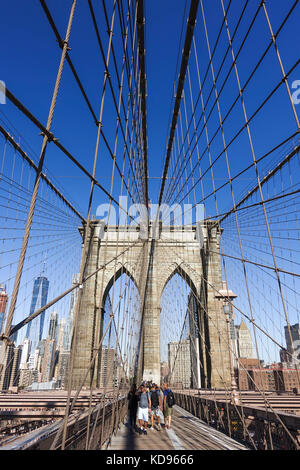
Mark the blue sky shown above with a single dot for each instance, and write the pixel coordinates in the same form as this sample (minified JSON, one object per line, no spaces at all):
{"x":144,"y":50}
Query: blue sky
{"x":29,"y":63}
{"x":29,"y":60}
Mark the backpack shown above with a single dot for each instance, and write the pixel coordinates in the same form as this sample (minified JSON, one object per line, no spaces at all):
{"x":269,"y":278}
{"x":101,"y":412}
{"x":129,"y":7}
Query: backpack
{"x":170,"y":399}
{"x":154,"y":399}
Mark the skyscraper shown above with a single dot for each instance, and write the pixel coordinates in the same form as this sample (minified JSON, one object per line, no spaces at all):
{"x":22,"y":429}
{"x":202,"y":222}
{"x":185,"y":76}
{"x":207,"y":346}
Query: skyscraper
{"x":25,"y":353}
{"x":33,"y":359}
{"x":48,"y":360}
{"x":39,"y":299}
{"x":107,"y":367}
{"x":61,"y":335}
{"x":179,"y":361}
{"x":13,"y":338}
{"x":245,"y":345}
{"x":3,"y":304}
{"x":69,"y":323}
{"x":292,"y":337}
{"x":63,"y":368}
{"x":52,"y":333}
{"x":9,"y":375}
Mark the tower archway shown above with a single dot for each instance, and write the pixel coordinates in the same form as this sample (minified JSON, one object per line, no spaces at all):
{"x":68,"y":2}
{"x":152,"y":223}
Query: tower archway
{"x":182,"y":333}
{"x":120,"y":328}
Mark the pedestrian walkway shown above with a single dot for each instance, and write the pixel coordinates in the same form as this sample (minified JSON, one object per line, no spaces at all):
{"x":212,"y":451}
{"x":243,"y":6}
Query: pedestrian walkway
{"x":187,"y":433}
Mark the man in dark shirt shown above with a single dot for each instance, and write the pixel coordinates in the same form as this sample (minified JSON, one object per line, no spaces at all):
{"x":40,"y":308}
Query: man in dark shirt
{"x":167,"y":410}
{"x":155,"y":406}
{"x":132,"y":406}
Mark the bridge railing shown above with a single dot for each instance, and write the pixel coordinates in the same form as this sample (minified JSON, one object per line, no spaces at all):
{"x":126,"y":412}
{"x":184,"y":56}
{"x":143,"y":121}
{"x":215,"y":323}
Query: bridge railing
{"x":88,"y":430}
{"x":257,"y":428}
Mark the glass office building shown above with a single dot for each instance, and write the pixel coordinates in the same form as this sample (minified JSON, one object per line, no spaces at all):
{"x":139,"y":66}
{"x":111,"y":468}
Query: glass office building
{"x":39,"y":299}
{"x":3,"y":304}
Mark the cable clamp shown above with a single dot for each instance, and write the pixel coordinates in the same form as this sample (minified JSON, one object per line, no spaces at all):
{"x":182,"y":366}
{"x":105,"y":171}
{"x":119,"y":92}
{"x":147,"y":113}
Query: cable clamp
{"x":3,"y":337}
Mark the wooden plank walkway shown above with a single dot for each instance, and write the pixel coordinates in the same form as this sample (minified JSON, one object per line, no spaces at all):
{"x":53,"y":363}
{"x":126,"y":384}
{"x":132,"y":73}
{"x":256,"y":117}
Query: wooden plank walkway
{"x":187,"y":433}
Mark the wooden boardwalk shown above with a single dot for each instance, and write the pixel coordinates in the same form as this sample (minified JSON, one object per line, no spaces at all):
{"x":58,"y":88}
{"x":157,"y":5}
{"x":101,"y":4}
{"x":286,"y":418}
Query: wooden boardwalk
{"x":187,"y":433}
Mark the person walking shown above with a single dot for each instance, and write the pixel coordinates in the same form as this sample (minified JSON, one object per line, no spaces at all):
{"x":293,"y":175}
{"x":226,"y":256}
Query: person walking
{"x":160,"y":394}
{"x":155,"y":406}
{"x":132,"y":406}
{"x":168,"y":403}
{"x":143,"y":409}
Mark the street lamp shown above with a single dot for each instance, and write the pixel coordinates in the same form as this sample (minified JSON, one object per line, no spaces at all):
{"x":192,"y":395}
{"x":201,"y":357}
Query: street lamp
{"x":227,"y":296}
{"x":229,"y":317}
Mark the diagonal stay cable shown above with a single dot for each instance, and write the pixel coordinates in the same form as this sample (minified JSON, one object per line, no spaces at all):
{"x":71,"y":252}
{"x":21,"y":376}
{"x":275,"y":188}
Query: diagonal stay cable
{"x":43,"y":176}
{"x":52,"y":138}
{"x":38,"y":175}
{"x":181,"y":79}
{"x":20,"y":325}
{"x":60,"y":43}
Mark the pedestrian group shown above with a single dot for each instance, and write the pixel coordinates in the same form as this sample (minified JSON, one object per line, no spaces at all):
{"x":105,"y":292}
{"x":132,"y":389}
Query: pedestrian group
{"x":149,"y":401}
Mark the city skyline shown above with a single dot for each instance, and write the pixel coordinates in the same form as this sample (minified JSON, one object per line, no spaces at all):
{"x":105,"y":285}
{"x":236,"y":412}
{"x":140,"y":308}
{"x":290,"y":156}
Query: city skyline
{"x":39,"y":294}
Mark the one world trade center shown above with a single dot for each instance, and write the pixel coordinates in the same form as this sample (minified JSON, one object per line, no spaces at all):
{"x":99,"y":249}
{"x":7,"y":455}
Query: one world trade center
{"x":39,"y":299}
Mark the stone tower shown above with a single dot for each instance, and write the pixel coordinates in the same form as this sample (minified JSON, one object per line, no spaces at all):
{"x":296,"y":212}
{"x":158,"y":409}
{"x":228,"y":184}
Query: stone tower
{"x":151,"y":262}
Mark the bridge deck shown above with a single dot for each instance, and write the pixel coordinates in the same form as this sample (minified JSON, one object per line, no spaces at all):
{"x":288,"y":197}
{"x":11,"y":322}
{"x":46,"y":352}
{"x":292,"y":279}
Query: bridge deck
{"x":186,"y":433}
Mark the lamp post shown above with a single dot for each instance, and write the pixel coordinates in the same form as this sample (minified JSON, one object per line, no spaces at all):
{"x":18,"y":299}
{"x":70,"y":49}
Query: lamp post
{"x":227,"y":297}
{"x":229,"y":317}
